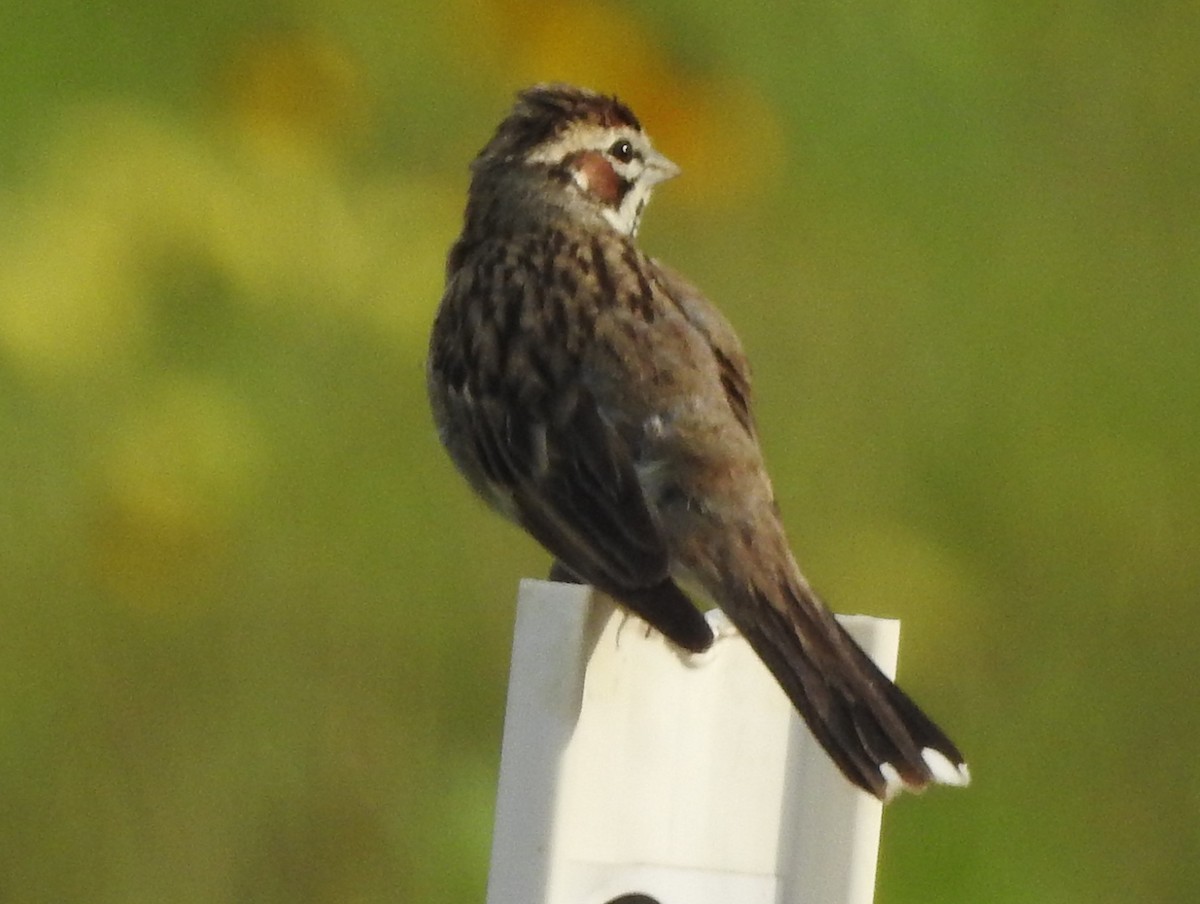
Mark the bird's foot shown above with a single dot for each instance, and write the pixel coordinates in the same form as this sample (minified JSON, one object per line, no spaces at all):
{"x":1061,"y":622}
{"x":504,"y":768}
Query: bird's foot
{"x":722,"y":628}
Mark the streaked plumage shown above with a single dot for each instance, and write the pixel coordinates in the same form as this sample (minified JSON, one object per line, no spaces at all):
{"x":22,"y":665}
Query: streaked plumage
{"x":596,"y":398}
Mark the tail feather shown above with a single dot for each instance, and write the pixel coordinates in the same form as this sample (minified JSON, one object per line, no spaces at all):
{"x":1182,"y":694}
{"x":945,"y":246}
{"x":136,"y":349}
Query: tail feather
{"x":877,"y":736}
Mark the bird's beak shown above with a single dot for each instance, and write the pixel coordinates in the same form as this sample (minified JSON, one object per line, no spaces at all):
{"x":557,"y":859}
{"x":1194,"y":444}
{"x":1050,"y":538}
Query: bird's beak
{"x":660,"y":168}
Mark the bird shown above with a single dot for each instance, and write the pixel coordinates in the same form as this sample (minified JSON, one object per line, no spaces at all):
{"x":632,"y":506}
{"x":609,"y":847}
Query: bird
{"x":592,"y":395}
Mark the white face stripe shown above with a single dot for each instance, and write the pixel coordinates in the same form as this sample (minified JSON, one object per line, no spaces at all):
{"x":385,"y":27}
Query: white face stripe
{"x":587,"y":138}
{"x":628,"y":216}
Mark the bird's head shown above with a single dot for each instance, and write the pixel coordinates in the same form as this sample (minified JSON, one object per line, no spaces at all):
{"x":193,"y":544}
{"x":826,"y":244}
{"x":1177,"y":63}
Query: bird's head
{"x":586,"y":151}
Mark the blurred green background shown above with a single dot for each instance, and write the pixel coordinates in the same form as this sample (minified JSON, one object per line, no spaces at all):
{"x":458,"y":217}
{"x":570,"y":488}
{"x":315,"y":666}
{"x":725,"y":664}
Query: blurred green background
{"x":254,"y":631}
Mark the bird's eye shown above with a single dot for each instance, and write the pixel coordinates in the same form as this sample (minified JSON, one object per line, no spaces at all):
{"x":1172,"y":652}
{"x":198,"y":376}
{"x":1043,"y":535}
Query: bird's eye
{"x":621,"y":151}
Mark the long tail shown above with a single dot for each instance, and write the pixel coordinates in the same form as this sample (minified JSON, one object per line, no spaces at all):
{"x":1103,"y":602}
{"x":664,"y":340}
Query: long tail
{"x":875,"y":734}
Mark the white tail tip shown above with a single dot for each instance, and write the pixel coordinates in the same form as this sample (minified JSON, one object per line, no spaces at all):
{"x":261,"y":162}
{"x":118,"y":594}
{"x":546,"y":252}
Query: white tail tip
{"x":944,"y":771}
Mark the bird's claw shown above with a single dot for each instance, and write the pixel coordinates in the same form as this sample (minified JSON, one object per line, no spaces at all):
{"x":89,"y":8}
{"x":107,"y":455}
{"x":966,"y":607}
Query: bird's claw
{"x":722,"y":628}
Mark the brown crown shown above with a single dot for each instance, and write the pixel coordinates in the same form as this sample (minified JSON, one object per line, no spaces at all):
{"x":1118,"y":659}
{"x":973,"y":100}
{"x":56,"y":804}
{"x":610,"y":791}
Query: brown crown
{"x":542,"y":112}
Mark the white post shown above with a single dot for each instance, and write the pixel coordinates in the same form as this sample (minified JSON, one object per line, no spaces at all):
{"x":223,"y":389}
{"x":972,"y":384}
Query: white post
{"x":630,"y":769}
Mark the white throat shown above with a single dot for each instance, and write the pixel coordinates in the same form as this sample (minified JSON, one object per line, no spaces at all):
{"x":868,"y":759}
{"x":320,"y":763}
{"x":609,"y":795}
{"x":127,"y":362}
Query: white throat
{"x":628,"y":216}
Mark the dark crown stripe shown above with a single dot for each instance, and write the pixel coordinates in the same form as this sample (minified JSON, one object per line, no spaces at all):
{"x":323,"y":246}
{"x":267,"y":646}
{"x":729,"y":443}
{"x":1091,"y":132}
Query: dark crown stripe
{"x":544,"y":111}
